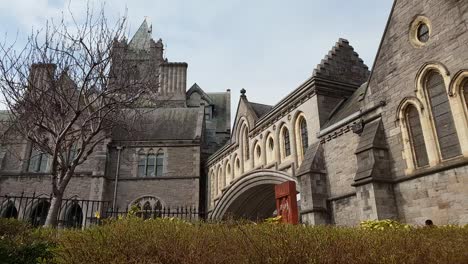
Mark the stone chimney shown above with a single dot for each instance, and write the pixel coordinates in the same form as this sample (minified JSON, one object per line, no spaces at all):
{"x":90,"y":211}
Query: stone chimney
{"x":173,"y":81}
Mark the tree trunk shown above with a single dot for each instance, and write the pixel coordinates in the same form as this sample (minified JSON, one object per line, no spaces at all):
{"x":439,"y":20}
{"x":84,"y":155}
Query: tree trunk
{"x":52,"y":214}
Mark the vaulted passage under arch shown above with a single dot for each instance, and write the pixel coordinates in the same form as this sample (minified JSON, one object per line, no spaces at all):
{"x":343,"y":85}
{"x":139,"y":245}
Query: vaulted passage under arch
{"x":251,"y":196}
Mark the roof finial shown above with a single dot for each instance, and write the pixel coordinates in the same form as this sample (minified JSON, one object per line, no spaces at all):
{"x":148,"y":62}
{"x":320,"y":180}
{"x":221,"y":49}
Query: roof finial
{"x":242,"y":92}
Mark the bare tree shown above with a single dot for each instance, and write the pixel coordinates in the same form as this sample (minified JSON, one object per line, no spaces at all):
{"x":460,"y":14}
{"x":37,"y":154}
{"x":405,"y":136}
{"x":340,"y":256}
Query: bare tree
{"x":64,"y":96}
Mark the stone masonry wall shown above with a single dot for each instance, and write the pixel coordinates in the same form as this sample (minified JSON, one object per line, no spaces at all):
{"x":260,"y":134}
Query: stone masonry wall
{"x":171,"y":192}
{"x":399,"y":61}
{"x":82,"y":187}
{"x":344,"y":211}
{"x":341,"y":163}
{"x":441,"y":197}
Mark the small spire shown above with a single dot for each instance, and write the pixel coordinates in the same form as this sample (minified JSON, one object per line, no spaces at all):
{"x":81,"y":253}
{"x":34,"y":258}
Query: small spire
{"x":242,"y":91}
{"x":142,"y":38}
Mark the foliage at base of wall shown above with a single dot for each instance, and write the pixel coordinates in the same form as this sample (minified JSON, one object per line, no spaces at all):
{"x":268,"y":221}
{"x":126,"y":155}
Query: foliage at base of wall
{"x":133,"y":240}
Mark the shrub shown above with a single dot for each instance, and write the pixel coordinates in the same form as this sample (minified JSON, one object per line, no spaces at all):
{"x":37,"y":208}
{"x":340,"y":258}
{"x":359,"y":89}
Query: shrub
{"x":21,"y":244}
{"x":383,"y":224}
{"x":133,"y":240}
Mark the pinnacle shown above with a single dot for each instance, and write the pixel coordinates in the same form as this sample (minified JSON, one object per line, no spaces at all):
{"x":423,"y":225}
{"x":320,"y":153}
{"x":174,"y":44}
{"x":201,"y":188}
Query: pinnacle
{"x":142,"y":38}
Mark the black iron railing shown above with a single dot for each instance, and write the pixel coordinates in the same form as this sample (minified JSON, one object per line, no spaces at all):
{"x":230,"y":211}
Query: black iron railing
{"x":79,"y":213}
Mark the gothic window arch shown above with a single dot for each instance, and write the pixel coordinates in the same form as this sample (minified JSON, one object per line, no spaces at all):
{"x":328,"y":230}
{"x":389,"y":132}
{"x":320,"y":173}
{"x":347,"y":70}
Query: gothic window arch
{"x":302,"y":136}
{"x":257,"y":155}
{"x":416,"y":136}
{"x":414,"y":131}
{"x":458,"y":92}
{"x":150,"y":164}
{"x":38,"y":161}
{"x":270,"y":150}
{"x":213,"y":184}
{"x":237,"y":167}
{"x":245,"y":142}
{"x":441,"y":113}
{"x":159,"y":163}
{"x":148,"y":206}
{"x":227,"y":171}
{"x":285,"y":142}
{"x":221,"y":178}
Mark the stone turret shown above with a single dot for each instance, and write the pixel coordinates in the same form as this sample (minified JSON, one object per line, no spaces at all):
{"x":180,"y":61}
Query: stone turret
{"x":142,"y":59}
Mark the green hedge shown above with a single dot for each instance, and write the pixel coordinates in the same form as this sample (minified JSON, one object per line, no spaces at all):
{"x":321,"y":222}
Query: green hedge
{"x":20,"y":243}
{"x":133,"y":240}
{"x":171,"y":241}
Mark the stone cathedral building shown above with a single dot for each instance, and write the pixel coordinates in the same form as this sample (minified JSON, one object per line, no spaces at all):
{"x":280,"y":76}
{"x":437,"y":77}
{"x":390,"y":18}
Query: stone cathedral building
{"x":160,"y":166}
{"x":386,"y":142}
{"x":391,"y":142}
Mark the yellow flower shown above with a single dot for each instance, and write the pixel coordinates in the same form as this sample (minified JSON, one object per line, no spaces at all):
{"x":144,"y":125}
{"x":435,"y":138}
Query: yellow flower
{"x":97,"y":215}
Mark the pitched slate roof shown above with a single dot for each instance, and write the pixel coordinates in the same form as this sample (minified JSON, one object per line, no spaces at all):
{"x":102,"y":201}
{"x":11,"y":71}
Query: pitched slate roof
{"x":142,"y":38}
{"x":260,"y":109}
{"x":163,"y":124}
{"x":350,"y":106}
{"x":221,"y":107}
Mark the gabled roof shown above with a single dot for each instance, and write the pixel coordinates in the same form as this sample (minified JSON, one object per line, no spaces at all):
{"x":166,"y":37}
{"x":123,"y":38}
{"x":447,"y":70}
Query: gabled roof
{"x":142,"y":38}
{"x":203,"y":95}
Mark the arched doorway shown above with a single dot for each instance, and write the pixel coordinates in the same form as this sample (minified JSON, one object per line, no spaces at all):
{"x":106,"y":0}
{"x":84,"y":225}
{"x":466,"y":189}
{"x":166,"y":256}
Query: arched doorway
{"x":74,"y":216}
{"x":39,"y":213}
{"x":251,"y":196}
{"x":9,"y":210}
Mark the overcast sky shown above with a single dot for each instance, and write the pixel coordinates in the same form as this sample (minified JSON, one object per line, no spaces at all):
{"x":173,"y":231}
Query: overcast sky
{"x":268,"y":47}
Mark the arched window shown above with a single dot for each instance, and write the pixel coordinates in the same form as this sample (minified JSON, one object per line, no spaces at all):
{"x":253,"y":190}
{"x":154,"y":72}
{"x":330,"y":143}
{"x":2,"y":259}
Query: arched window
{"x":213,"y":183}
{"x":416,"y":137}
{"x":286,"y":142}
{"x":74,"y":216}
{"x":10,"y":211}
{"x":148,"y":206}
{"x":150,"y":164}
{"x":159,"y":164}
{"x":38,"y":161}
{"x":221,"y":179}
{"x":39,"y":213}
{"x":228,"y":172}
{"x":304,"y":135}
{"x":237,"y":168}
{"x":246,"y":143}
{"x":258,"y":155}
{"x":442,"y":114}
{"x":270,"y":150}
{"x":271,"y":144}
